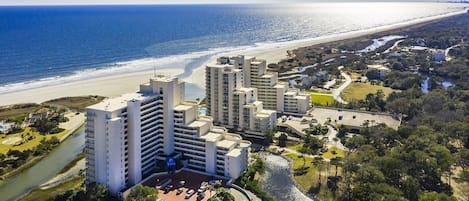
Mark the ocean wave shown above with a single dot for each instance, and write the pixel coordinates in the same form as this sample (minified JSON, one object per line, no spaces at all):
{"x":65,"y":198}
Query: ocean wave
{"x":181,"y":61}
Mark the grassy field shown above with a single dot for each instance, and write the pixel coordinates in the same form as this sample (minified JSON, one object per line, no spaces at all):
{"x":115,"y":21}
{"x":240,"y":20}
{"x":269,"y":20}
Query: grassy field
{"x":47,"y":194}
{"x":358,"y":91}
{"x":78,"y":103}
{"x":330,"y":153}
{"x":30,"y":144}
{"x":321,"y":98}
{"x":296,"y":147}
{"x":310,"y":178}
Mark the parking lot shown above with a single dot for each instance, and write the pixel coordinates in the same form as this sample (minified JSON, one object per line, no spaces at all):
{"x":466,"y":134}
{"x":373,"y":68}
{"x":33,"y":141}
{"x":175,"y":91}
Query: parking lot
{"x":191,"y":181}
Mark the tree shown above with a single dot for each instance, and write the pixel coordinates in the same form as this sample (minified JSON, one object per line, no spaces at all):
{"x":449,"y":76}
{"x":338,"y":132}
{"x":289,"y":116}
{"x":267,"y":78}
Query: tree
{"x":282,"y":140}
{"x":96,"y":192}
{"x":336,"y":162}
{"x":222,"y":195}
{"x":410,"y":188}
{"x":463,"y":158}
{"x":434,"y":196}
{"x":319,"y":163}
{"x":142,"y":193}
{"x":269,"y":136}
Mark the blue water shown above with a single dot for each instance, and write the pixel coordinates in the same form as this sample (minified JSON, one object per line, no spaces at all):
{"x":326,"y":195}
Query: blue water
{"x":203,"y":111}
{"x":55,"y":44}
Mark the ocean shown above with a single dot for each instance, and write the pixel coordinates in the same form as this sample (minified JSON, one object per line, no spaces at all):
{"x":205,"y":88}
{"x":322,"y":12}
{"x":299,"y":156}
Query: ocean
{"x":49,"y":45}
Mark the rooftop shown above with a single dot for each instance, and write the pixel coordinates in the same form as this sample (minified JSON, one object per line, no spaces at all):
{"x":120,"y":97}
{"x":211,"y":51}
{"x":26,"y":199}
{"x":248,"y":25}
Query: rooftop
{"x":183,"y":107}
{"x":234,"y":153}
{"x":211,"y":136}
{"x":197,"y":124}
{"x":117,"y":103}
{"x":226,"y":144}
{"x":379,"y":67}
{"x":353,"y":118}
{"x":163,"y":78}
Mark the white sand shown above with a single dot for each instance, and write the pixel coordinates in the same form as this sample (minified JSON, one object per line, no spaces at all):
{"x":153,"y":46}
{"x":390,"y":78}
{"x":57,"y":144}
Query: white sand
{"x":112,"y":86}
{"x":12,"y":140}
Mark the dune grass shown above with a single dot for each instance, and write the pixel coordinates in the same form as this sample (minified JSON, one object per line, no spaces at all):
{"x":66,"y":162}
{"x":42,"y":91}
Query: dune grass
{"x":78,"y":103}
{"x":47,"y":194}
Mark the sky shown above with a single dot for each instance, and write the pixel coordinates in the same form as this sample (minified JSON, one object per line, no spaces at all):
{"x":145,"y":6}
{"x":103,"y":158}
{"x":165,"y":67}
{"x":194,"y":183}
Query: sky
{"x":92,"y":2}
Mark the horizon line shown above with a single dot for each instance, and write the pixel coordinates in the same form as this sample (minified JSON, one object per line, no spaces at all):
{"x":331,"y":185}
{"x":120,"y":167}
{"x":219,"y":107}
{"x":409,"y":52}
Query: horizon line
{"x":226,"y":3}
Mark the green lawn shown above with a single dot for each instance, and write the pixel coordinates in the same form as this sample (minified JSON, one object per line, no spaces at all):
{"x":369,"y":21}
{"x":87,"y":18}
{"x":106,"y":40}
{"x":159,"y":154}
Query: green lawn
{"x":296,"y":147}
{"x":310,"y":178}
{"x":28,"y":145}
{"x":321,"y":98}
{"x":48,"y":194}
{"x":330,"y":153}
{"x":358,"y":91}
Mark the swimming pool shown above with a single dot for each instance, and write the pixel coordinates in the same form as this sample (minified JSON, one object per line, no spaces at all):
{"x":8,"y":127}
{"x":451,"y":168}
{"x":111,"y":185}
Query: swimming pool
{"x":202,"y":111}
{"x":1,"y":128}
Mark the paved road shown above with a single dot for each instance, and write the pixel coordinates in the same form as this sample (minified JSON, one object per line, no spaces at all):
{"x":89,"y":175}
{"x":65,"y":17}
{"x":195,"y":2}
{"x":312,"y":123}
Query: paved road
{"x":331,"y":134}
{"x":336,"y":92}
{"x":393,"y":46}
{"x":448,"y":58}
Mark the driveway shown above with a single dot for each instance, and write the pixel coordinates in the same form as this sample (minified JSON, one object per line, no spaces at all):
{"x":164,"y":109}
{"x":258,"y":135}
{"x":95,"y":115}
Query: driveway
{"x":336,"y":92}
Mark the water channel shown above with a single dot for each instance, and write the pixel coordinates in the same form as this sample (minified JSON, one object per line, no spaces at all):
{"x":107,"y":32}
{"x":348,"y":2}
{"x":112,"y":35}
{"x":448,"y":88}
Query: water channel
{"x":277,"y":180}
{"x":45,"y":169}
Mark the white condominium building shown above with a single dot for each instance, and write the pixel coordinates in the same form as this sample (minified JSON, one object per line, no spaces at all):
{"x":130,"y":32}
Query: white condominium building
{"x":231,"y":104}
{"x":273,"y":94}
{"x":127,"y":136}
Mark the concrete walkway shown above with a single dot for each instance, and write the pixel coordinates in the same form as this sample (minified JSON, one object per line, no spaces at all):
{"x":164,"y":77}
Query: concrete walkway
{"x":336,"y":92}
{"x":448,"y":58}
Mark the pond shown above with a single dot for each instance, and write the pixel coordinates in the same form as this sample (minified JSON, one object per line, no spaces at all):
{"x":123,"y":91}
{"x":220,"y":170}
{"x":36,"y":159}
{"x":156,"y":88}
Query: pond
{"x":277,"y":180}
{"x":426,"y":85}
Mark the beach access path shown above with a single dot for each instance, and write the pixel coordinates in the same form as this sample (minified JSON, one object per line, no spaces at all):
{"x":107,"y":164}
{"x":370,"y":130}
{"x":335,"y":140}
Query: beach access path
{"x":336,"y":92}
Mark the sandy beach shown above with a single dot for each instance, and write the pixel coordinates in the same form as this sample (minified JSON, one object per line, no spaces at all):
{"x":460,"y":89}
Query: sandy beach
{"x":112,"y":86}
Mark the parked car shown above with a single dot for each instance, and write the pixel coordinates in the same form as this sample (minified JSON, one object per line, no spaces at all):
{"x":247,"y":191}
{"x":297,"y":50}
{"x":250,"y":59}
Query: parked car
{"x":200,"y":196}
{"x":189,"y":194}
{"x":168,"y":188}
{"x":202,"y":189}
{"x":181,"y":184}
{"x":179,"y":191}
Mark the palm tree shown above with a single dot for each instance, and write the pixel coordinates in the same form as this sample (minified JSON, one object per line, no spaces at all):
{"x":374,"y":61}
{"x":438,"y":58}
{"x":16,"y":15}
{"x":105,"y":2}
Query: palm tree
{"x":318,"y":162}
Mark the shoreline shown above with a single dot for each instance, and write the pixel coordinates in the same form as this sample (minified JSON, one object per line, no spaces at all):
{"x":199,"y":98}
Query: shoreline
{"x":115,"y":85}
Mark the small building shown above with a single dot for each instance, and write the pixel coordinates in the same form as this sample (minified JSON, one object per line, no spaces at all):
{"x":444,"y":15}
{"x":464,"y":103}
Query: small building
{"x":439,"y":56}
{"x":38,"y":115}
{"x":5,"y":127}
{"x":322,"y":75}
{"x":395,"y":55}
{"x":381,"y":69}
{"x":418,"y":49}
